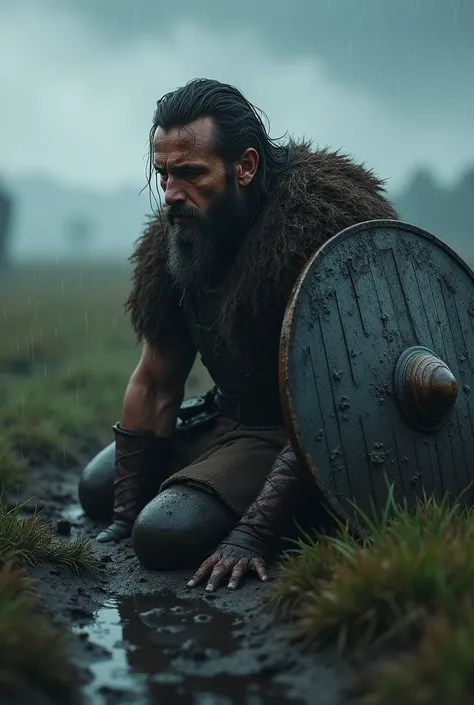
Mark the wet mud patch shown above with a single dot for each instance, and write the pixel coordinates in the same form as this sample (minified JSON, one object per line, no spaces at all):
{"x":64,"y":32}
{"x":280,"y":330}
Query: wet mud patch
{"x":165,"y":650}
{"x":143,"y":637}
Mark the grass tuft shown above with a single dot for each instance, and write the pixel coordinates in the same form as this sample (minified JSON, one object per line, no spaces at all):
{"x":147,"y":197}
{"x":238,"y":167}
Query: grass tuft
{"x":406,"y":585}
{"x":31,"y":654}
{"x":437,"y":672}
{"x":31,"y":541}
{"x":344,"y":589}
{"x":66,"y":354}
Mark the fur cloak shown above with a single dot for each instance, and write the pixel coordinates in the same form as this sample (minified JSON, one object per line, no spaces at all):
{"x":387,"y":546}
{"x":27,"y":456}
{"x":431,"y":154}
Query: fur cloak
{"x":320,"y":194}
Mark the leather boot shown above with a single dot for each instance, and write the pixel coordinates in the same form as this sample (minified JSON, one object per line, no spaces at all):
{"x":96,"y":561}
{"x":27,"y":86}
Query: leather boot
{"x":140,"y":468}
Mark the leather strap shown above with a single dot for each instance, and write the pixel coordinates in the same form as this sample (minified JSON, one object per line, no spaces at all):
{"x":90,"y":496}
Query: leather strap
{"x":248,"y":412}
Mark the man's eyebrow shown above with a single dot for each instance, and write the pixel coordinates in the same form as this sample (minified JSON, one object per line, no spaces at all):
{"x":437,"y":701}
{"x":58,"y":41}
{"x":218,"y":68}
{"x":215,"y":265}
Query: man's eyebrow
{"x":182,"y":168}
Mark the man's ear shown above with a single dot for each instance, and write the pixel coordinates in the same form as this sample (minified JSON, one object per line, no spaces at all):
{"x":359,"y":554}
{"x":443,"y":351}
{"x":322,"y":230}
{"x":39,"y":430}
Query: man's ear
{"x":247,"y":167}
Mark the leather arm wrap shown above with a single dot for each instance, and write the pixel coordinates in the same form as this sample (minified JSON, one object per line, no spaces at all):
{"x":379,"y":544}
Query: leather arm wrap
{"x":140,"y":468}
{"x":271,"y":514}
{"x":136,"y":447}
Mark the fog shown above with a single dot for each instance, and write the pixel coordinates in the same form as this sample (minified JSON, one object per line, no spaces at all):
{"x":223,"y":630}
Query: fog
{"x":388,"y":81}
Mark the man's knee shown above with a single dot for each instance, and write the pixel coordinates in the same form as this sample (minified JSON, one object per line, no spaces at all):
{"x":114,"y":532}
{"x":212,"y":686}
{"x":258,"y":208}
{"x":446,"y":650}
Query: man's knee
{"x":180,"y":527}
{"x":96,"y":485}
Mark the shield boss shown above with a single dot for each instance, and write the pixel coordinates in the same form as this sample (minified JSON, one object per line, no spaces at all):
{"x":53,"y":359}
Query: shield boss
{"x":377,"y":358}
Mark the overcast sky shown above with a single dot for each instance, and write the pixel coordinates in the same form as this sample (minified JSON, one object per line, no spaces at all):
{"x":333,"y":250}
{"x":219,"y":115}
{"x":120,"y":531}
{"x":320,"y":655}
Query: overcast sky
{"x":390,"y":81}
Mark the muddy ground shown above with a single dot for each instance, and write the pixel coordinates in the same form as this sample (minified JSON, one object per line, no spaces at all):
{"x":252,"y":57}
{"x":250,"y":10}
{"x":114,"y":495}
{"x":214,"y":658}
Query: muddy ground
{"x":143,"y":637}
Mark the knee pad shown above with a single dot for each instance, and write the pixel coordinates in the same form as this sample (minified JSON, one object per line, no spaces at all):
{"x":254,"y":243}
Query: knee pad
{"x":180,"y":527}
{"x":96,"y":485}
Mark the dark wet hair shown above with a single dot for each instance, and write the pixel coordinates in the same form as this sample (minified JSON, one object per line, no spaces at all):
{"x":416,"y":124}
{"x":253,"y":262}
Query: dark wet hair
{"x":238,"y":126}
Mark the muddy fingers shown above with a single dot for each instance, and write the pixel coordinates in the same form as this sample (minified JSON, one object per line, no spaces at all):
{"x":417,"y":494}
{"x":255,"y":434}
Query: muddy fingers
{"x":204,"y":571}
{"x":221,"y":570}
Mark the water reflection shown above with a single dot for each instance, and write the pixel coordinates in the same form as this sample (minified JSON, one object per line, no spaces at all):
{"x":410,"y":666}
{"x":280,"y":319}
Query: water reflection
{"x":73,"y":513}
{"x":152,"y":640}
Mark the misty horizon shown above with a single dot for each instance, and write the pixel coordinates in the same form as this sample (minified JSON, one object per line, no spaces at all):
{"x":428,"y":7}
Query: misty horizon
{"x":387,"y":83}
{"x":79,"y":81}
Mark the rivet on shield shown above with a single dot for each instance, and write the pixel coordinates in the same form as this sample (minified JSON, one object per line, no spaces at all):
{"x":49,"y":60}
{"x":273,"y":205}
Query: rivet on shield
{"x":425,"y":388}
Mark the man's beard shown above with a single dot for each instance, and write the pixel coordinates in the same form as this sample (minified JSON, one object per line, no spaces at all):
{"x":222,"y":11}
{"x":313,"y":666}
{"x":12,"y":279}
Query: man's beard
{"x":201,"y":254}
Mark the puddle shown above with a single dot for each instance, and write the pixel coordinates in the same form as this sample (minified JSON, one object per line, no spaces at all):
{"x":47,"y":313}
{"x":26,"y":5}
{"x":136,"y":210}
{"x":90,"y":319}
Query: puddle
{"x":162,"y":650}
{"x":74,"y":516}
{"x":74,"y":513}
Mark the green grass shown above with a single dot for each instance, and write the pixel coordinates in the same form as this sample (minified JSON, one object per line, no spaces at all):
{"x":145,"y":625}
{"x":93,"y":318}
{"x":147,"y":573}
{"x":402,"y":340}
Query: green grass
{"x":66,"y":354}
{"x":65,"y":357}
{"x":31,"y":653}
{"x":31,"y":541}
{"x":405,"y":587}
{"x":438,"y":670}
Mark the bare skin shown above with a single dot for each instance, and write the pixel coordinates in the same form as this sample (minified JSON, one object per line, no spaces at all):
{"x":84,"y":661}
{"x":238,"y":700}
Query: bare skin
{"x":225,"y":563}
{"x":151,"y":404}
{"x":156,"y":389}
{"x":254,"y":538}
{"x":192,"y":177}
{"x":191,"y":173}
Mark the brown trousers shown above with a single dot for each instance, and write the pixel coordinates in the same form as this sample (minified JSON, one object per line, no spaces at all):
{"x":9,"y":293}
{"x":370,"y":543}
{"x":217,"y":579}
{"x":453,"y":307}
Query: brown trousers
{"x":230,"y":459}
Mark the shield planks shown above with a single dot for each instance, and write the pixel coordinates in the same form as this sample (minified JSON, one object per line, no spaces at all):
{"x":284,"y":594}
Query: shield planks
{"x":376,"y":368}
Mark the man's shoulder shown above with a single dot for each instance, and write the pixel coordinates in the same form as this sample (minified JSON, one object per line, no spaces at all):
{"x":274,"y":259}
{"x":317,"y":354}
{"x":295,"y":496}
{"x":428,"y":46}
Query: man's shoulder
{"x":152,"y":301}
{"x":325,"y":170}
{"x":329,"y":188}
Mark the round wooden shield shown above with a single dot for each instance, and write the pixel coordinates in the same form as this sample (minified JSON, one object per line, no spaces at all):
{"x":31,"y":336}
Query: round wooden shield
{"x":376,"y":368}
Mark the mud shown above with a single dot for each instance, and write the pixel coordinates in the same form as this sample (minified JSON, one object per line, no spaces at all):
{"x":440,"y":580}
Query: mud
{"x":142,"y":637}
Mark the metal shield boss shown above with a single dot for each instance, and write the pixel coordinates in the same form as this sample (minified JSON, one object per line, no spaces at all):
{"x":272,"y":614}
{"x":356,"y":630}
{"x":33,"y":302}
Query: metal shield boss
{"x":376,"y":373}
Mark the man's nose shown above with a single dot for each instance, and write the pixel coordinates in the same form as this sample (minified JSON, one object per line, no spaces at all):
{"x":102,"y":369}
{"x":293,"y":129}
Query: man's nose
{"x":173,"y":192}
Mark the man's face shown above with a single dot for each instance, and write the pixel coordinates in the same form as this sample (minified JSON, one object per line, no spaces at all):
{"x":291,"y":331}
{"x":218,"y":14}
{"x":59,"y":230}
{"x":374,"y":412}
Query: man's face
{"x":206,"y":208}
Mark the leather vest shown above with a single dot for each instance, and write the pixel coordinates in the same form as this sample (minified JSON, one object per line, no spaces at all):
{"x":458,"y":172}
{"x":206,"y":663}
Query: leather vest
{"x":250,"y":380}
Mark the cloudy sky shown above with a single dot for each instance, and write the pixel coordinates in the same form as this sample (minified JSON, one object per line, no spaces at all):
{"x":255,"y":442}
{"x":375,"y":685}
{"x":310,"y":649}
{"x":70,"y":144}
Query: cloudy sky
{"x":390,"y":81}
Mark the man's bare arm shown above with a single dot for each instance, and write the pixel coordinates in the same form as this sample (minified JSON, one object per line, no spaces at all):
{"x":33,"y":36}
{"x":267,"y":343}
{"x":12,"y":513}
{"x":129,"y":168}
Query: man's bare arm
{"x":156,"y":389}
{"x":150,"y":410}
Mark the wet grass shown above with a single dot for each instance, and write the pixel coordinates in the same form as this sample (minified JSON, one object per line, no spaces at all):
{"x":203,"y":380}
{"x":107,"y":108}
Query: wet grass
{"x":31,"y":652}
{"x":405,"y":589}
{"x":66,"y":354}
{"x":438,"y":670}
{"x":31,"y":541}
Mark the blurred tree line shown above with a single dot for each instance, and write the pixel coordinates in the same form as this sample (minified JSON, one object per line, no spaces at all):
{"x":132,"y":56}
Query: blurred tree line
{"x":6,"y":210}
{"x":447,"y":212}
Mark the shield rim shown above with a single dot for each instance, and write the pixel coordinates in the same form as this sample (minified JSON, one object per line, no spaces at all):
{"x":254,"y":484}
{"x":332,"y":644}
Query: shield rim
{"x":306,"y":464}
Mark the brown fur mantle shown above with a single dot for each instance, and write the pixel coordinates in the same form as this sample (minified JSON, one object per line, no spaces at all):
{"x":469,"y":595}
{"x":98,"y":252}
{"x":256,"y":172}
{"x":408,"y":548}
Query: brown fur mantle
{"x":322,"y":193}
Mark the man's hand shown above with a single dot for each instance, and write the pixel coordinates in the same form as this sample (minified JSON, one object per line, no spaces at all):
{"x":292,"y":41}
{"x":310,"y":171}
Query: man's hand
{"x":255,"y":539}
{"x":230,"y":562}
